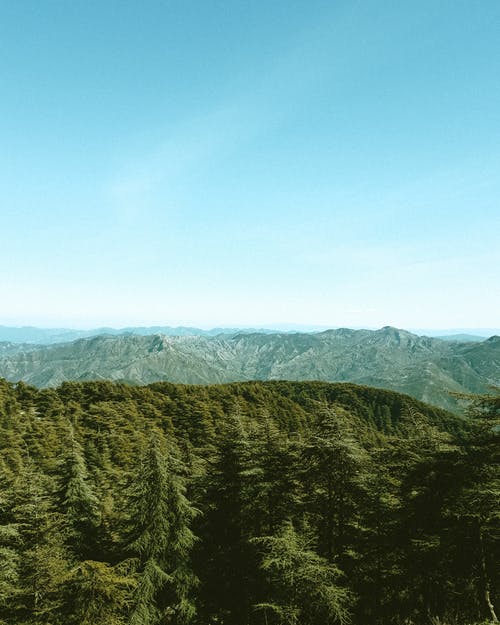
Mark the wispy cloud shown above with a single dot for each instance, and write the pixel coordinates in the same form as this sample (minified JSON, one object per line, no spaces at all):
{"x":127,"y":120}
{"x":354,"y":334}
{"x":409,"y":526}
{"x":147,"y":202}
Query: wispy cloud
{"x":271,"y":98}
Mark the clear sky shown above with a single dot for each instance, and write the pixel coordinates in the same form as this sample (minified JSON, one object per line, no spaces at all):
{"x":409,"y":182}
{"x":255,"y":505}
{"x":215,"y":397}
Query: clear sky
{"x":238,"y":162}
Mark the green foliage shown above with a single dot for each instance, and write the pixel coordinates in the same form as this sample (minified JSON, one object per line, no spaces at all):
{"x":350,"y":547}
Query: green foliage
{"x":98,"y":594}
{"x":9,"y":563}
{"x":160,"y":538}
{"x":334,"y":465}
{"x":77,"y":500}
{"x":304,"y":587}
{"x":43,"y":561}
{"x":225,"y":556}
{"x":311,"y":503}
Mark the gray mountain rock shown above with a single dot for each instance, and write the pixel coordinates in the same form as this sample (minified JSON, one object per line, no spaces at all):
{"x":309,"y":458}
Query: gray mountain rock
{"x":427,"y":368}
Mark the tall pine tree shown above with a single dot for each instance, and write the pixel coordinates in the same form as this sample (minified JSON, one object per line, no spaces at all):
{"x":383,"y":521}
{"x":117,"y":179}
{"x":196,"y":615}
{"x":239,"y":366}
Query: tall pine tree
{"x":77,"y":501}
{"x":160,"y":538}
{"x":226,"y":555}
{"x":304,"y":587}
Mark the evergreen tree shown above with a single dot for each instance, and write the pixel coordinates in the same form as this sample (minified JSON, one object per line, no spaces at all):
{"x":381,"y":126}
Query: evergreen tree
{"x":77,"y":501}
{"x":97,"y":594}
{"x":160,"y":538}
{"x":304,"y":587}
{"x":273,"y":489}
{"x":9,"y":550}
{"x":225,"y":556}
{"x":378,"y":570}
{"x":334,"y":475}
{"x":43,"y":562}
{"x":477,"y":502}
{"x":428,"y":462}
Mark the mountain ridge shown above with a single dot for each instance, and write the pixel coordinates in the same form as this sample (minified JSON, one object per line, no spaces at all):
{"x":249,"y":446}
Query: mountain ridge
{"x":32,"y":335}
{"x":424,"y":367}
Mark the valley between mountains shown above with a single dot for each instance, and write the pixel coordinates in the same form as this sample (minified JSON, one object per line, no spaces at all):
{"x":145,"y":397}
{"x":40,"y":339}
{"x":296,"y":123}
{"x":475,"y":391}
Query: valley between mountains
{"x":429,"y":369}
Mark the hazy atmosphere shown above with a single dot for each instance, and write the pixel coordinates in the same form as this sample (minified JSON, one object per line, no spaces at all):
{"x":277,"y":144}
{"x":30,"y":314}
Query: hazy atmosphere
{"x":250,"y":163}
{"x":249,"y":317}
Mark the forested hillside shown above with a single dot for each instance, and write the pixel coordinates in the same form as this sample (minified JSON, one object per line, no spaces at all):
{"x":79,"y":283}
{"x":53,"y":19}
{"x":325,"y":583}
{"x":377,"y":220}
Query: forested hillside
{"x":429,"y":369}
{"x":252,"y":503}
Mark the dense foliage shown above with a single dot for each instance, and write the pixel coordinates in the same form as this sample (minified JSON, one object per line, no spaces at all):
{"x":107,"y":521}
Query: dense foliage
{"x":259,"y":503}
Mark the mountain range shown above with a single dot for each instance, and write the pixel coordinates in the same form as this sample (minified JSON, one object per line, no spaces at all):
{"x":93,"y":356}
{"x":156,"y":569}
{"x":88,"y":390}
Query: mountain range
{"x":424,"y":367}
{"x":31,"y":335}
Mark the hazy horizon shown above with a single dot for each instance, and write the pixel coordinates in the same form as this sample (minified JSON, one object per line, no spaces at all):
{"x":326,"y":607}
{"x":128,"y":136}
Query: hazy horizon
{"x":275,"y":327}
{"x":236,"y":164}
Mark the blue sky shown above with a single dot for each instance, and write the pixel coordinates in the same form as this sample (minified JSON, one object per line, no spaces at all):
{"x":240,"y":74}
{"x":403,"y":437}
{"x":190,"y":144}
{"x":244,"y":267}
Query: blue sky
{"x":250,"y":163}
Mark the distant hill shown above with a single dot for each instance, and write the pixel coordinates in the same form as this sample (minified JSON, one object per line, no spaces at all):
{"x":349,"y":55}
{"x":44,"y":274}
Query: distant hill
{"x":463,"y":338}
{"x":30,"y":335}
{"x":426,"y":368}
{"x":51,"y":336}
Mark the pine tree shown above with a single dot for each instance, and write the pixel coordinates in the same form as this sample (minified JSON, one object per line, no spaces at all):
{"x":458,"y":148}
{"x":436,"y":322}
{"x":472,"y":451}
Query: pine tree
{"x":427,"y":463}
{"x":160,"y":538}
{"x":334,"y":477}
{"x":225,"y":556}
{"x":304,"y":587}
{"x":378,"y":569}
{"x":77,"y":501}
{"x":273,"y":490}
{"x":97,"y":593}
{"x":43,"y":562}
{"x":477,"y":502}
{"x":9,"y":549}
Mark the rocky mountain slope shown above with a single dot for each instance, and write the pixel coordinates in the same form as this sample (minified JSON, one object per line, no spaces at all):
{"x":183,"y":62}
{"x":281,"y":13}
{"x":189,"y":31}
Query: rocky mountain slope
{"x":427,"y":368}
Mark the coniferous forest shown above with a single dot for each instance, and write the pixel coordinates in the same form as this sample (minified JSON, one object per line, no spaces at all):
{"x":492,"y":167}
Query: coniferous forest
{"x":259,"y":503}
